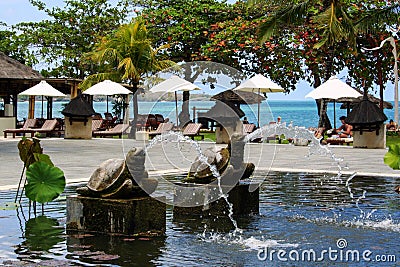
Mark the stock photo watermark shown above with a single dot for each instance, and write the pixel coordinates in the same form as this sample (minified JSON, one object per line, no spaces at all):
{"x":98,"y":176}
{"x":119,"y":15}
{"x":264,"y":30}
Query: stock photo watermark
{"x":339,"y":253}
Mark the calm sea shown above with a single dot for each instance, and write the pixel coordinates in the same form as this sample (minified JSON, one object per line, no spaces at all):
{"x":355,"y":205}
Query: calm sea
{"x":300,"y":112}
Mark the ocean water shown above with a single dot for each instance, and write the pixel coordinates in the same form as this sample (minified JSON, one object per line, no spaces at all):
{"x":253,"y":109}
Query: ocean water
{"x":300,"y":112}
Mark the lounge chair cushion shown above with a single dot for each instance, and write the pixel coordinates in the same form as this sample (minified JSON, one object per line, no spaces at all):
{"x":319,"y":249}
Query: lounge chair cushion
{"x":192,"y":130}
{"x":117,"y":130}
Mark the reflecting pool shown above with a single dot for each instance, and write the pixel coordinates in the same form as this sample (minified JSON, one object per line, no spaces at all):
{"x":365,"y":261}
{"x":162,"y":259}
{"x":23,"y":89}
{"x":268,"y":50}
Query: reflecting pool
{"x":304,"y":220}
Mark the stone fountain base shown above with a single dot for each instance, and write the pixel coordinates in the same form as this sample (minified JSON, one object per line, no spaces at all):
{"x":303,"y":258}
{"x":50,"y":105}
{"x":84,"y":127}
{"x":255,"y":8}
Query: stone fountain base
{"x":244,"y":202}
{"x":134,"y":216}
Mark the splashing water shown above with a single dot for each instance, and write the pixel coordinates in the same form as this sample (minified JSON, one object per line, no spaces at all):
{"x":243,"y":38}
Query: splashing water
{"x":296,"y":132}
{"x":290,"y":131}
{"x":179,"y":138}
{"x":358,"y":199}
{"x":315,"y":147}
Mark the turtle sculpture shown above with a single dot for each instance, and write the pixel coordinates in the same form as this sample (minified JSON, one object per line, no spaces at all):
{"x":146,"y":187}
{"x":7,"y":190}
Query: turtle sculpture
{"x":200,"y":172}
{"x":120,"y":178}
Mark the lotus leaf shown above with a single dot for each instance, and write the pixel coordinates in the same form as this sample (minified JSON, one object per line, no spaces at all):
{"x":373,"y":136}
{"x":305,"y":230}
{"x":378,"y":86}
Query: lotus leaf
{"x":42,"y":233}
{"x":43,"y":158}
{"x":45,"y":182}
{"x":392,"y":157}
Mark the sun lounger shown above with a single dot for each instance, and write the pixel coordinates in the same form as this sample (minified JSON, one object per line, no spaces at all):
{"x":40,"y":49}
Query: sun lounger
{"x":249,"y":128}
{"x":96,"y":124}
{"x":339,"y":141}
{"x":48,"y":127}
{"x":117,"y":130}
{"x":192,"y":130}
{"x":162,"y":128}
{"x":26,"y":128}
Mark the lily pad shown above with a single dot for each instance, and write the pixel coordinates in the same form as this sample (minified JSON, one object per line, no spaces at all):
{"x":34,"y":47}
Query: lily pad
{"x":45,"y":182}
{"x":392,"y":157}
{"x":9,"y":206}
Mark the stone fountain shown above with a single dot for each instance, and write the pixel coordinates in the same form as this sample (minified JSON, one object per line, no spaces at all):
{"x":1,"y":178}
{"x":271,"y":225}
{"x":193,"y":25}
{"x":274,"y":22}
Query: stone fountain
{"x":116,"y":200}
{"x":231,"y":185}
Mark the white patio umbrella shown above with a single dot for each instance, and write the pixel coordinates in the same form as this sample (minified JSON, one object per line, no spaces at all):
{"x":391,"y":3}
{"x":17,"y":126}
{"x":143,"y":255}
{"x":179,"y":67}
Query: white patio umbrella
{"x":42,"y":89}
{"x":333,"y":89}
{"x":259,"y":84}
{"x":107,"y":88}
{"x":173,"y":85}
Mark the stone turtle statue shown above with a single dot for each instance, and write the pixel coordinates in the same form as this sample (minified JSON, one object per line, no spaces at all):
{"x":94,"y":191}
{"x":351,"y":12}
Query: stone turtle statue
{"x":120,"y":178}
{"x":232,"y":156}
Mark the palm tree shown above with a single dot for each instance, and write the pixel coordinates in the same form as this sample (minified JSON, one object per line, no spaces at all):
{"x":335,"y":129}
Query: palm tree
{"x":127,"y":56}
{"x":334,"y":20}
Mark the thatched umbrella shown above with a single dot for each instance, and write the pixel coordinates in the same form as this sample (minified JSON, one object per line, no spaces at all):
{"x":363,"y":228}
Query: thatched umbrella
{"x":239,"y":97}
{"x":349,"y":103}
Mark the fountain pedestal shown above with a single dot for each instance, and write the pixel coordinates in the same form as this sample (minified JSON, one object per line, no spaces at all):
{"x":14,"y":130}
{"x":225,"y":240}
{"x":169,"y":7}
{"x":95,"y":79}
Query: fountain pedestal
{"x":116,"y":200}
{"x":243,"y":202}
{"x":133,"y":216}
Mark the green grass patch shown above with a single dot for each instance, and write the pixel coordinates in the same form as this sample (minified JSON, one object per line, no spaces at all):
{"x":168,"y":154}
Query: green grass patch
{"x":208,"y":136}
{"x":392,"y":140}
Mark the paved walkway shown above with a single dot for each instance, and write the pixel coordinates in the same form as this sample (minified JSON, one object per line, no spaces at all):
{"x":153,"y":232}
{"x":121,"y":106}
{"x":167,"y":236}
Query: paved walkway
{"x":79,"y":158}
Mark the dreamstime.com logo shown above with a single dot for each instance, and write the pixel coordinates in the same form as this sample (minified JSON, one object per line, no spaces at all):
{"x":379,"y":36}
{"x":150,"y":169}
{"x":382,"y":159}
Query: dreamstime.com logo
{"x":340,"y":253}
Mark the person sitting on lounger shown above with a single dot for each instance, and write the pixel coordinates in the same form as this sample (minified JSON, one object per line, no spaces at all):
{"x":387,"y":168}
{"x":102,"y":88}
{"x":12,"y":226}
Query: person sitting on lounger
{"x":345,"y":130}
{"x":391,"y":126}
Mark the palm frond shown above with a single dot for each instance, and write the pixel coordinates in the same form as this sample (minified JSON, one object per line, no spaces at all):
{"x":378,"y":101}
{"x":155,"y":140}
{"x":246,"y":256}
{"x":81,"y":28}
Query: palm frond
{"x":164,"y":64}
{"x":129,"y":69}
{"x":290,"y":15}
{"x":388,"y":15}
{"x":337,"y":26}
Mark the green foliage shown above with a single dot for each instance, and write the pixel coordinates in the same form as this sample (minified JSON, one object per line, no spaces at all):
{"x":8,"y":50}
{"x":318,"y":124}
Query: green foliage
{"x":392,"y":157}
{"x":42,"y":233}
{"x":12,"y":47}
{"x":43,"y":158}
{"x":70,"y":32}
{"x":328,"y":25}
{"x":184,"y":24}
{"x":45,"y":182}
{"x":127,"y":55}
{"x":119,"y":106}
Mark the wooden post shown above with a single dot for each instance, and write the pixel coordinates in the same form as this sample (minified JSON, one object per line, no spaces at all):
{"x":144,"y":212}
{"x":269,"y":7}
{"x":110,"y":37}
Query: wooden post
{"x":74,"y":90}
{"x":31,"y":112}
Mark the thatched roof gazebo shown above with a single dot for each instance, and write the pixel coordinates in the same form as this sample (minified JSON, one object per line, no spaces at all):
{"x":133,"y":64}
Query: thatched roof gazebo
{"x":16,"y":77}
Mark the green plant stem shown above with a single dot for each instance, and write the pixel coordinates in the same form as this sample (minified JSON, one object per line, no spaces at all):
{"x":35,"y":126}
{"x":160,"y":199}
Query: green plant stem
{"x":19,"y":184}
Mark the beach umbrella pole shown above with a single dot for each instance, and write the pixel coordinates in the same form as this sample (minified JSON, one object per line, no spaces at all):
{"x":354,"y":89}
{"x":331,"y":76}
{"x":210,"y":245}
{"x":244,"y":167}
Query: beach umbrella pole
{"x":334,"y":114}
{"x":176,"y":108}
{"x":258,"y":111}
{"x":42,"y":106}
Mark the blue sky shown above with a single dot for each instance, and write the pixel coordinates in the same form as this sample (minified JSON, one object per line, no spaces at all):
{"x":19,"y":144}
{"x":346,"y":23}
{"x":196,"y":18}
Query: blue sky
{"x":15,"y":11}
